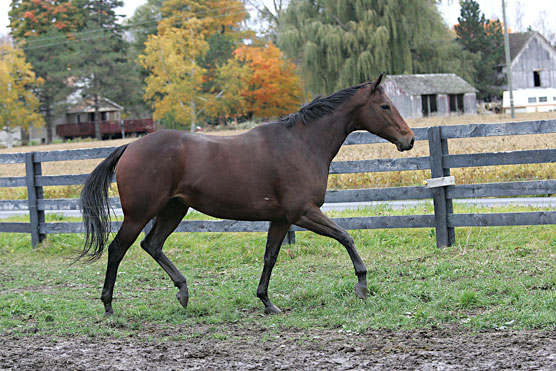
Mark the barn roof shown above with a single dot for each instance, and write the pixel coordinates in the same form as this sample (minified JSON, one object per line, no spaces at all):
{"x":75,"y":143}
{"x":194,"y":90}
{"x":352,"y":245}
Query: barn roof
{"x":518,"y":40}
{"x":434,"y":83}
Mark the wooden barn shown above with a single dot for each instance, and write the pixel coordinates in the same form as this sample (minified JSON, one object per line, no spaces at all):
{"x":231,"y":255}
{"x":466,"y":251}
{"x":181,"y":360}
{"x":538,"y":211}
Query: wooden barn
{"x":533,"y":62}
{"x":424,"y":95}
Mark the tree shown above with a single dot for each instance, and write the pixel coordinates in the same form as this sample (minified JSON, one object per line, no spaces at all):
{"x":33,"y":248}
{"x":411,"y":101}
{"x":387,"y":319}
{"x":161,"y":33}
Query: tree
{"x":339,"y":43}
{"x":175,"y":76}
{"x":194,"y":39}
{"x":41,"y":29}
{"x":99,"y":64}
{"x":144,"y":23}
{"x":485,"y":39}
{"x":273,"y":87}
{"x":269,"y":17}
{"x":18,"y":104}
{"x":230,"y":83}
{"x":36,"y":17}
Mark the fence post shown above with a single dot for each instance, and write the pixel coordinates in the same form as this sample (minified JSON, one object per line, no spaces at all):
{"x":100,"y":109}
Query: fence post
{"x":34,"y":193}
{"x":445,"y":236}
{"x":289,"y":239}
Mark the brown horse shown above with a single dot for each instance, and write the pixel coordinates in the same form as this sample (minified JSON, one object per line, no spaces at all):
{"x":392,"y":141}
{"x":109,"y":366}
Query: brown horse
{"x":275,"y":172}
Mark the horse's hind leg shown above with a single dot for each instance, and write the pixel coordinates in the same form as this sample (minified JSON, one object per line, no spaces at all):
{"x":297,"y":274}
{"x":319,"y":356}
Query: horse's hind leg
{"x":164,"y":224}
{"x":118,"y":247}
{"x":276,"y":234}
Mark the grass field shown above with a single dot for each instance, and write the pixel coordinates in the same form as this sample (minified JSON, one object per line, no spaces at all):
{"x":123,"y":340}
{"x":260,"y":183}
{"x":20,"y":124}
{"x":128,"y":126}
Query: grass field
{"x":487,"y":302}
{"x":494,"y":278}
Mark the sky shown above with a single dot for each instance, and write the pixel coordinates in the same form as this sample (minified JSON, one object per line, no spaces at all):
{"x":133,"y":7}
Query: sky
{"x":531,"y":10}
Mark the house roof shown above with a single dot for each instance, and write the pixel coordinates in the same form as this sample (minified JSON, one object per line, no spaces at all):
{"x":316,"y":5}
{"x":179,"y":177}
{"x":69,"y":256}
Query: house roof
{"x":88,"y":105}
{"x":434,"y":83}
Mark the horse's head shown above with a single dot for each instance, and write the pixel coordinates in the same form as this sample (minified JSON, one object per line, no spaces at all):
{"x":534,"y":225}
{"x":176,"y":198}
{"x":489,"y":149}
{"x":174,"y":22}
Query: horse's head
{"x":379,"y":116}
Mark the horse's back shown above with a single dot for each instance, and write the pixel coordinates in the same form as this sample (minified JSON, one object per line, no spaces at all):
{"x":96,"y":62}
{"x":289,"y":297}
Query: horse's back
{"x":224,"y":176}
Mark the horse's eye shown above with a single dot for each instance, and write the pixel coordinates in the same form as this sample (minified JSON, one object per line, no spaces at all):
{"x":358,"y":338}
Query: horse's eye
{"x":385,"y":107}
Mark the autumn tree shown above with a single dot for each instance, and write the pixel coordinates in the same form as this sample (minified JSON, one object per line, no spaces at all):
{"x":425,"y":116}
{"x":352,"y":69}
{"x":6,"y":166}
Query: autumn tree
{"x":41,"y":28}
{"x":18,"y":104}
{"x":230,"y":84}
{"x":273,"y":87}
{"x":194,"y":39}
{"x":175,"y":76}
{"x":36,"y":17}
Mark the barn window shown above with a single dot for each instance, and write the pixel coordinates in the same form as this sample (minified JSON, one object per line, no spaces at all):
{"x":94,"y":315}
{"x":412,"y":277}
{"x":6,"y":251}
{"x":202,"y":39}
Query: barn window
{"x":532,"y":100}
{"x":537,"y":78}
{"x":428,"y":104}
{"x":543,"y":99}
{"x":456,"y":102}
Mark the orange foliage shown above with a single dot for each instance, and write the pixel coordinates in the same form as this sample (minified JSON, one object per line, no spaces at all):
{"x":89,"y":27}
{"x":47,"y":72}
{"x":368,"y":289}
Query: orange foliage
{"x":273,"y":88}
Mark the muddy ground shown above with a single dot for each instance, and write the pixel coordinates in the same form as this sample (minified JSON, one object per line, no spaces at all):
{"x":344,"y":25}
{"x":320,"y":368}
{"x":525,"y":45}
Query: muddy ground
{"x":248,"y":348}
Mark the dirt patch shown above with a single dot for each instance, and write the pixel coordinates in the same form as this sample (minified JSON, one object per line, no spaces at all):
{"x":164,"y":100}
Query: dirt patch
{"x":248,"y":348}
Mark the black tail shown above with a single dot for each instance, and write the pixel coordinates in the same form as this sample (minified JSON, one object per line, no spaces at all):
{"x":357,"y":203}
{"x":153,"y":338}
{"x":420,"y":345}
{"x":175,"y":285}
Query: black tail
{"x":95,"y":206}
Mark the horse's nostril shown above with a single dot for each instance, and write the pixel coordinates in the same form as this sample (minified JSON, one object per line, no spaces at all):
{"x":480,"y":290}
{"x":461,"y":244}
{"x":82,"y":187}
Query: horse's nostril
{"x":411,"y":142}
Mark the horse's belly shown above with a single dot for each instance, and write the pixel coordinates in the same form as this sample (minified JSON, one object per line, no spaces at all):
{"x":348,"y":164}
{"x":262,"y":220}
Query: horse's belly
{"x":238,"y":204}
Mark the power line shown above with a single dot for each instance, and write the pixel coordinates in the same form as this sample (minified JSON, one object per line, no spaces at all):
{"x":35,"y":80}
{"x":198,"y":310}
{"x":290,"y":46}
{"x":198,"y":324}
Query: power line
{"x":104,"y":36}
{"x":130,"y":26}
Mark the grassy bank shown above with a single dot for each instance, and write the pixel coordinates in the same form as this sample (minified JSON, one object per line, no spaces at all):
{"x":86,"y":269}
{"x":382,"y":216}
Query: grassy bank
{"x":502,"y":277}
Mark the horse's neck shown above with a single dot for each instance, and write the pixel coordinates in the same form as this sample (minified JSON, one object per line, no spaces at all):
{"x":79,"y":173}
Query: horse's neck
{"x":326,"y":135}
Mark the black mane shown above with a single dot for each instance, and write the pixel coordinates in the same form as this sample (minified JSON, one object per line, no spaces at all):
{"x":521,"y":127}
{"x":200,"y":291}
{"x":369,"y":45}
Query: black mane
{"x":320,"y":106}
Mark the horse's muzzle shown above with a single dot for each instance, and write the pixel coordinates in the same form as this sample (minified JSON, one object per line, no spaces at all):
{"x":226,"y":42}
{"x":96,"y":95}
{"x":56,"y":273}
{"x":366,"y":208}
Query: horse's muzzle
{"x":406,"y":144}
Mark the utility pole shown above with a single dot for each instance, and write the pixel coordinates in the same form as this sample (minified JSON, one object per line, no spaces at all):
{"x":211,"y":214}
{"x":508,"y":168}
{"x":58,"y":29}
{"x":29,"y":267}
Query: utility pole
{"x":508,"y":61}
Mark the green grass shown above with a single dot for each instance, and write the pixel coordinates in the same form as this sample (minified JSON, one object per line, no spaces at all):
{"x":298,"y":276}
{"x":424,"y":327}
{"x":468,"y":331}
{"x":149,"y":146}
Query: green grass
{"x":493,"y":278}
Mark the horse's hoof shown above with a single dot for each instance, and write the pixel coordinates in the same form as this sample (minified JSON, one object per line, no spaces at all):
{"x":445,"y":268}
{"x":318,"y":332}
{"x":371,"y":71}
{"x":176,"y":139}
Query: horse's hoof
{"x":272,"y":309}
{"x":183,"y":298}
{"x":108,"y":312}
{"x":361,"y":291}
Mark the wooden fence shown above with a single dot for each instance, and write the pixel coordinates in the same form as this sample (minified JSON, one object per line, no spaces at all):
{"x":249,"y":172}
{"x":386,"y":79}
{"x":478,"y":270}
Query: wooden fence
{"x":440,"y":189}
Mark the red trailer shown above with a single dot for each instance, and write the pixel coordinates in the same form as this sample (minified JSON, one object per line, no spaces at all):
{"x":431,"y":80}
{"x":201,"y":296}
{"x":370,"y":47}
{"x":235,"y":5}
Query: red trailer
{"x":108,"y":129}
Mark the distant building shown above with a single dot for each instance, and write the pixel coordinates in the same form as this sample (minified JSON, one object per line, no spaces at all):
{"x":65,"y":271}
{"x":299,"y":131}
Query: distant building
{"x":424,"y":95}
{"x":84,"y":111}
{"x":531,"y":100}
{"x":533,"y":62}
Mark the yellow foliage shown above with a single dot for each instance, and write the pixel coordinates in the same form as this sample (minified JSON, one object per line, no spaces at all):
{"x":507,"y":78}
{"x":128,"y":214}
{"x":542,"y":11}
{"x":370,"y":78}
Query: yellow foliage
{"x":227,"y":100}
{"x":18,"y":104}
{"x":175,"y":76}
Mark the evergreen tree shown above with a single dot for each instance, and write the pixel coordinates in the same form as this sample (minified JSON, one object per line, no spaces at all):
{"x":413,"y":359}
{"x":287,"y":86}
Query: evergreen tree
{"x":99,"y":63}
{"x":144,"y":23}
{"x":46,"y":54}
{"x":485,"y":39}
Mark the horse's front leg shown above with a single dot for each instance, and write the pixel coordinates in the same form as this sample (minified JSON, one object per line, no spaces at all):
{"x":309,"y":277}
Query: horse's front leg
{"x":276,"y":233}
{"x":315,"y":220}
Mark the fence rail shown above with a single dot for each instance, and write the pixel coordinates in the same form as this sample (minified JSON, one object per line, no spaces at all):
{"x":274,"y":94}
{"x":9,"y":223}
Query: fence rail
{"x":439,"y":162}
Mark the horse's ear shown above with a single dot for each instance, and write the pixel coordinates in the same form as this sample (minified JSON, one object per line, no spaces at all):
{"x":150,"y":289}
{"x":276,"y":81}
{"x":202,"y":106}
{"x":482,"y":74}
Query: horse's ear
{"x":375,"y":84}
